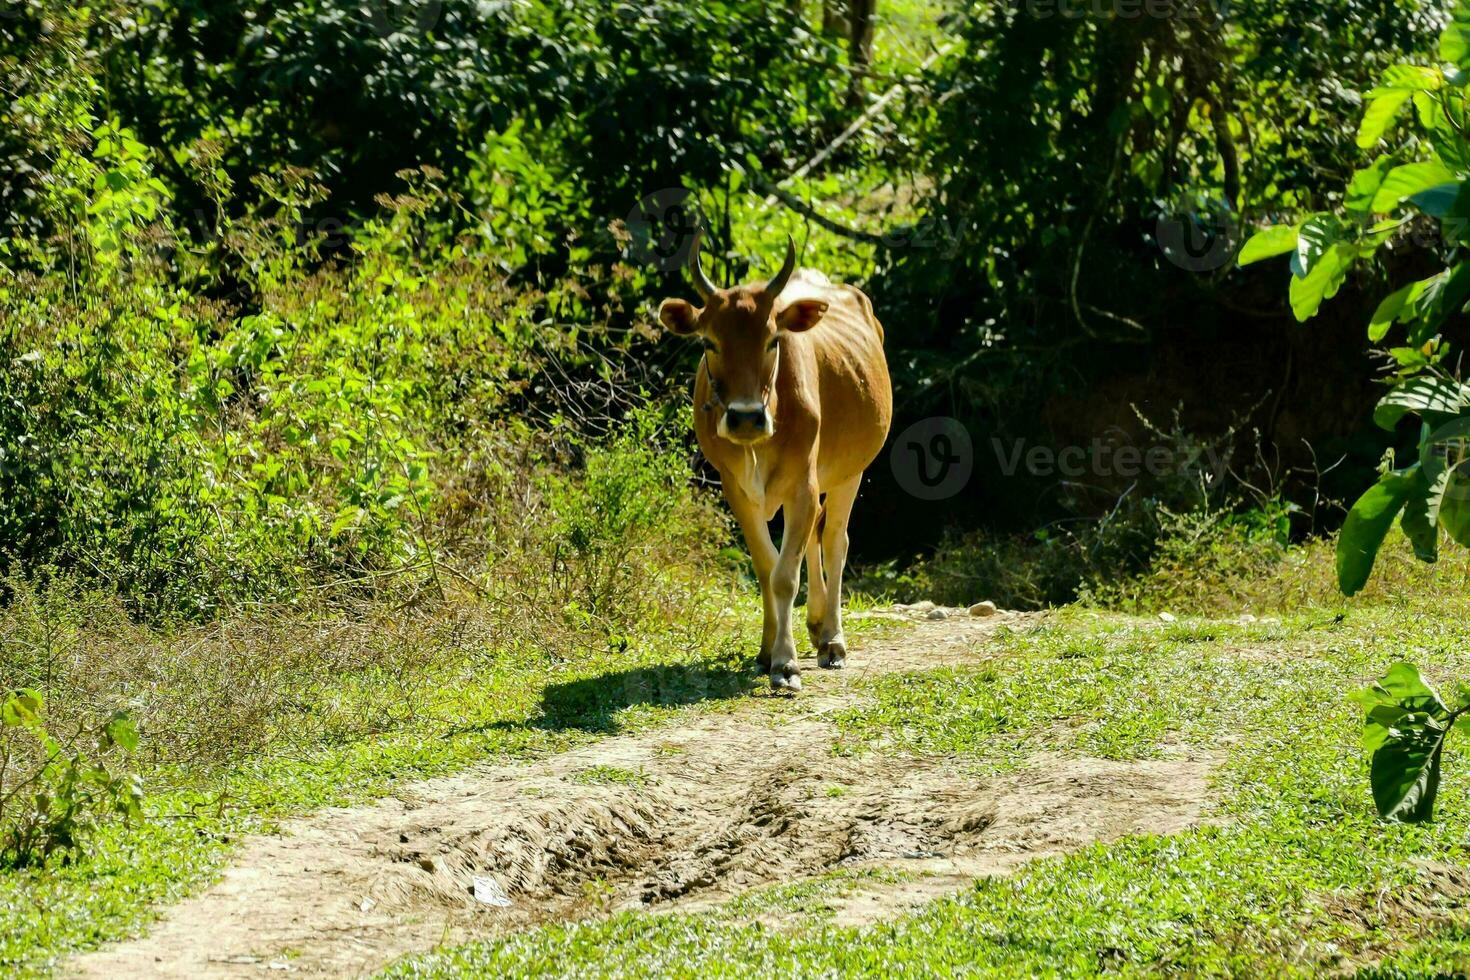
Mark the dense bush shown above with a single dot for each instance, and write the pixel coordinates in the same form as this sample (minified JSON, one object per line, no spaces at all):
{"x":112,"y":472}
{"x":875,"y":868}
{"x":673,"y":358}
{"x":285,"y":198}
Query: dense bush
{"x":1060,"y":140}
{"x":623,"y":99}
{"x":1089,"y":177}
{"x":188,"y":454}
{"x":201,"y":421}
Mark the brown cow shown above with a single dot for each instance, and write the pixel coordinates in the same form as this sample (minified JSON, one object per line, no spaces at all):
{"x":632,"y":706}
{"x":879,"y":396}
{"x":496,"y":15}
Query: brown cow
{"x":792,"y":402}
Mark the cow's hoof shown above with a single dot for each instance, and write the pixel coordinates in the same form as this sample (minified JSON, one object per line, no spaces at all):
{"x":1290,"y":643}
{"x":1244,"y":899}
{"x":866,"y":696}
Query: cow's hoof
{"x":763,"y":663}
{"x":786,"y":678}
{"x":832,"y":656}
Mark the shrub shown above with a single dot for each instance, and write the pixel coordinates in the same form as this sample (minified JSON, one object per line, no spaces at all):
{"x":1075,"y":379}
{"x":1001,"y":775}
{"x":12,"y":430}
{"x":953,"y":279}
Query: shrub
{"x":629,"y":503}
{"x":55,"y":793}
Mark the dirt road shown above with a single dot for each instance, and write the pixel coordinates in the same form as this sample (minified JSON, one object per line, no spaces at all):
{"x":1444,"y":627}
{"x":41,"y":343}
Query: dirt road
{"x":674,"y":819}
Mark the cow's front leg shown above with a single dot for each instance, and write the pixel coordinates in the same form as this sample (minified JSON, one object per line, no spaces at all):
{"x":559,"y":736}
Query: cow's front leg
{"x":762,"y":555}
{"x":800,"y":514}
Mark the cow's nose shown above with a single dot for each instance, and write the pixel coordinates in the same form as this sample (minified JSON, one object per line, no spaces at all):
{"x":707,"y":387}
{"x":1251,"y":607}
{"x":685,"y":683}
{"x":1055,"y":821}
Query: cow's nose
{"x":740,"y":420}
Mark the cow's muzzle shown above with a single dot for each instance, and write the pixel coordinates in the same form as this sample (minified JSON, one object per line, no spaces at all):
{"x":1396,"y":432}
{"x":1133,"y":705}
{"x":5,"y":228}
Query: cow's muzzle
{"x":746,"y":424}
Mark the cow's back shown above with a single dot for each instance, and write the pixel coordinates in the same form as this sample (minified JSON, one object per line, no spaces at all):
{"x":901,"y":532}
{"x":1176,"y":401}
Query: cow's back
{"x":855,"y":394}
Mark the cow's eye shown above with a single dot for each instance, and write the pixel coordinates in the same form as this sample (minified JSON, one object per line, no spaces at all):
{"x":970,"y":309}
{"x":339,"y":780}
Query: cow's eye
{"x":775,"y":342}
{"x":709,"y":345}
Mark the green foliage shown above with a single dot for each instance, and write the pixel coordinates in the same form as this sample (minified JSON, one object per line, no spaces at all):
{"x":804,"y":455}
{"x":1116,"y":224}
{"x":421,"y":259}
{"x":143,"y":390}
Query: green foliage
{"x":634,"y":98}
{"x":630,"y":495}
{"x":1403,"y":733}
{"x":53,"y":796}
{"x":192,"y":457}
{"x":1061,"y":140}
{"x":1384,"y":203}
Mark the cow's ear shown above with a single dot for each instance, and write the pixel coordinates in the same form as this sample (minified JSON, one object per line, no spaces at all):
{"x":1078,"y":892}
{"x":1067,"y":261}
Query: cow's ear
{"x":678,"y":316}
{"x":801,"y":315}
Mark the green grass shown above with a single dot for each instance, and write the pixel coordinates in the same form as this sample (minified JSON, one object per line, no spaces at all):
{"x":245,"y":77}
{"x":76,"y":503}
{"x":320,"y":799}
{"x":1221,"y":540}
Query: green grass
{"x":504,"y":708}
{"x":611,"y":776}
{"x":1293,"y":875}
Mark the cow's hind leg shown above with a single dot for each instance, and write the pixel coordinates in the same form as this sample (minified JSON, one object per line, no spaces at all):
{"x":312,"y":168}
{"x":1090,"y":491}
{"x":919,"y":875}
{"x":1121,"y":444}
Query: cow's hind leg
{"x":831,"y":644}
{"x":816,"y":584}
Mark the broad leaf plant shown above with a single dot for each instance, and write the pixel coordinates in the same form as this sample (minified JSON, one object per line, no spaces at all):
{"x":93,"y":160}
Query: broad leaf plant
{"x":1417,"y":121}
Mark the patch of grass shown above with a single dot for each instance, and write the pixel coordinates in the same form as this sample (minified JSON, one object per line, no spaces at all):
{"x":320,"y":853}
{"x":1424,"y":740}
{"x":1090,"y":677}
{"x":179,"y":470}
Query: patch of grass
{"x":1276,"y":885}
{"x":610,"y":776}
{"x":1092,"y":685}
{"x":801,"y":902}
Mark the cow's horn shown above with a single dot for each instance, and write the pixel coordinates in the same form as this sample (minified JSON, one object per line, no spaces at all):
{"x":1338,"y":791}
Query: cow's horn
{"x":702,"y":285}
{"x":774,"y":287}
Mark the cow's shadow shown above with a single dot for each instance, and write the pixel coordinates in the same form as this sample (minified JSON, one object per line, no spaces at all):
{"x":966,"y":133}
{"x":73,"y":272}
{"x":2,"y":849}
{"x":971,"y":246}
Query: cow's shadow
{"x":593,"y":704}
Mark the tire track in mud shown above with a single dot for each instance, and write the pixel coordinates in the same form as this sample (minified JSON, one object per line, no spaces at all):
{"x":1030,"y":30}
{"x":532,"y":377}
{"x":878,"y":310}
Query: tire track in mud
{"x":716,"y":807}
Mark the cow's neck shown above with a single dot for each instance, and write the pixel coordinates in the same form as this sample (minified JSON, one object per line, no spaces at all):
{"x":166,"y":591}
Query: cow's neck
{"x":754,"y":470}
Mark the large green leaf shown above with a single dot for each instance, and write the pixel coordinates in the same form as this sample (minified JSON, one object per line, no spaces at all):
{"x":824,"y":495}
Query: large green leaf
{"x":121,"y":731}
{"x":1439,"y":199}
{"x":1404,"y":182}
{"x":1404,"y":728}
{"x":1421,"y":506}
{"x":1276,"y":240}
{"x":1431,"y":396}
{"x":1387,"y":312}
{"x":1454,"y":508}
{"x":1447,"y":504}
{"x":1443,"y":130}
{"x":1425,"y":303}
{"x":1321,"y":281}
{"x":1455,"y":431}
{"x":1408,"y":78}
{"x":1441,"y":456}
{"x":21,"y":708}
{"x":1393,"y":700}
{"x":1364,"y":186}
{"x":1454,"y":42}
{"x":1365,"y":528}
{"x":1379,"y":116}
{"x":1405,"y":774}
{"x":1443,"y":295}
{"x":1316,"y":236}
{"x":1398,"y":85}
